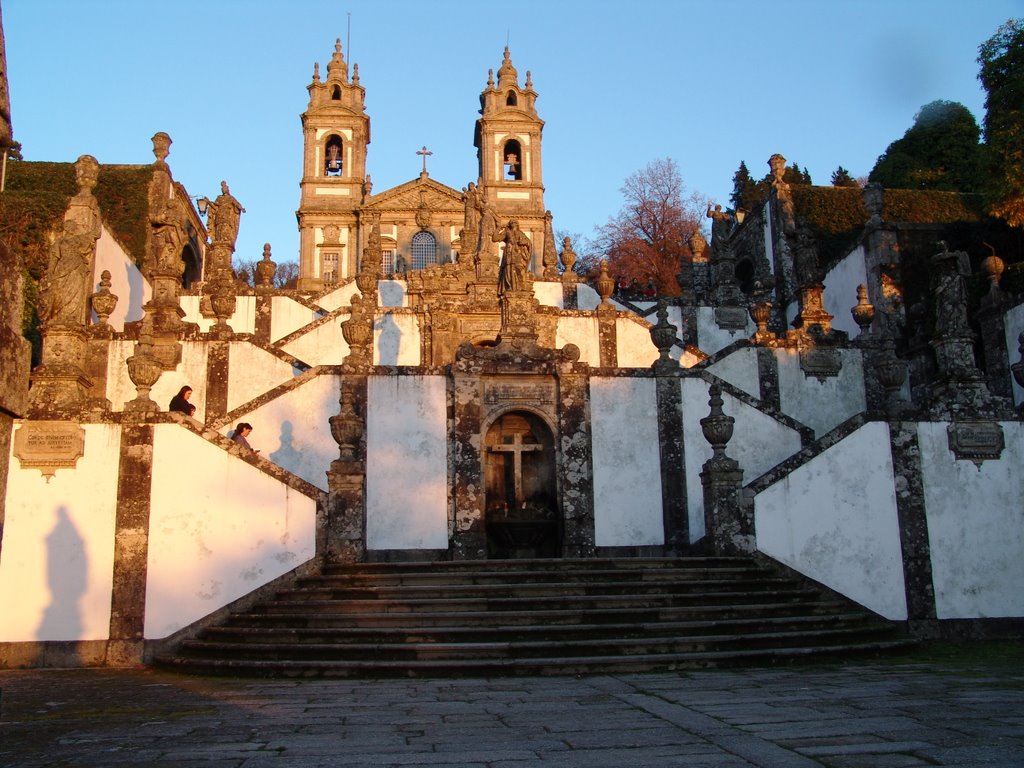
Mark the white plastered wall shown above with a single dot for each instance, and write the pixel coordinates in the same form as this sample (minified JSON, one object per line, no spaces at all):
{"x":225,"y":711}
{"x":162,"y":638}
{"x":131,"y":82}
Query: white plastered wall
{"x":242,"y":321}
{"x":740,"y":370}
{"x":711,"y":338}
{"x":821,"y":405}
{"x":322,"y":345}
{"x":396,"y":339}
{"x":633,"y":345}
{"x":975,"y":525}
{"x":191,"y":371}
{"x":583,"y":332}
{"x":834,"y":519}
{"x":841,"y":290}
{"x":627,"y":463}
{"x":288,"y":316}
{"x":758,"y":443}
{"x":218,"y":529}
{"x":293,"y":430}
{"x":126,"y":281}
{"x":406,"y":463}
{"x":340,"y":297}
{"x":56,"y":573}
{"x":252,"y":371}
{"x":549,"y":293}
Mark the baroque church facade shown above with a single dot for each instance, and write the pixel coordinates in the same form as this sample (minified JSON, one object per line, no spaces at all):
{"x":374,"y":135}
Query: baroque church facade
{"x":442,"y":387}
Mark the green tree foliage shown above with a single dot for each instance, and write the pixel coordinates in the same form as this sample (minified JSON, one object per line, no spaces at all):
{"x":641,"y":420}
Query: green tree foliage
{"x":647,"y":238}
{"x":842,"y":178}
{"x":941,"y":150}
{"x":1002,"y":75}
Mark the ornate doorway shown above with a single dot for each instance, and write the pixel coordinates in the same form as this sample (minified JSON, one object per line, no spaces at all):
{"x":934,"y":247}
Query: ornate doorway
{"x":522,"y":518}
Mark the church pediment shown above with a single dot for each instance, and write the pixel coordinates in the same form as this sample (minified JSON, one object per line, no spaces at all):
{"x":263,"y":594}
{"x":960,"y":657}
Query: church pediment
{"x":412,"y":194}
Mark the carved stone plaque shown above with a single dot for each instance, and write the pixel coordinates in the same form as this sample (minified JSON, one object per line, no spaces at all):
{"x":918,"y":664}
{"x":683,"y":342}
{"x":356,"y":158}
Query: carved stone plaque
{"x":975,"y":440}
{"x":539,"y":393}
{"x":49,"y":445}
{"x":821,"y":362}
{"x":731,"y":318}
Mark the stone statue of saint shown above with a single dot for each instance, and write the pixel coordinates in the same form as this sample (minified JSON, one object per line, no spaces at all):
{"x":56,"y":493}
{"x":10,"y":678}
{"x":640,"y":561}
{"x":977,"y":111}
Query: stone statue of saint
{"x":721,"y":221}
{"x":67,"y":283}
{"x":470,"y":201}
{"x":223,"y":217}
{"x":516,"y":264}
{"x":488,"y":223}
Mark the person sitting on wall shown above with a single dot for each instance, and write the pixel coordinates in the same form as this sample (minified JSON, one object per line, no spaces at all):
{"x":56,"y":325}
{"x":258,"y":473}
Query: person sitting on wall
{"x":240,"y":434}
{"x":180,"y":402}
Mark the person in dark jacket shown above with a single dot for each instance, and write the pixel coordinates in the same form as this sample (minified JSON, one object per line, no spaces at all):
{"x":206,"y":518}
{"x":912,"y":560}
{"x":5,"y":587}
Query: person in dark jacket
{"x":240,"y":434}
{"x":180,"y":402}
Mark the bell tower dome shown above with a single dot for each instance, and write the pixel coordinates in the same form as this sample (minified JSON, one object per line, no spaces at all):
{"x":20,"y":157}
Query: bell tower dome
{"x":336,"y":132}
{"x":508,"y":143}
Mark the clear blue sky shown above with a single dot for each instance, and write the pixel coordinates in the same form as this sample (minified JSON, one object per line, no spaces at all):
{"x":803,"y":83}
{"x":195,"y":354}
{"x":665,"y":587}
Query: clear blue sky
{"x":824,"y":82}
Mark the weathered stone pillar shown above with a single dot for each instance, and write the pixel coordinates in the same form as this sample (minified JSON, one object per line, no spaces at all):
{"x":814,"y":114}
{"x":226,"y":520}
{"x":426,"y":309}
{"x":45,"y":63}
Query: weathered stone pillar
{"x":729,"y":524}
{"x":217,"y":374}
{"x":993,"y":331}
{"x":913,"y":522}
{"x":265,"y":271}
{"x":469,"y":538}
{"x":768,"y":377}
{"x":576,"y":480}
{"x":131,"y":545}
{"x":345,"y":529}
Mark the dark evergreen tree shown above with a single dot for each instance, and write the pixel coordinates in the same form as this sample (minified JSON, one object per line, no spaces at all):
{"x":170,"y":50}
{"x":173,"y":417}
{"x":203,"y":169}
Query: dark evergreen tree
{"x":1002,"y":75}
{"x":742,"y":187}
{"x":842,"y":178}
{"x":941,"y":150}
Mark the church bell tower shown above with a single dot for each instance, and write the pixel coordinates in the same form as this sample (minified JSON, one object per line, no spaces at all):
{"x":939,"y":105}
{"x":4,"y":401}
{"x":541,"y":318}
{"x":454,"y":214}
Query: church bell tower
{"x":508,"y":143}
{"x":336,"y":132}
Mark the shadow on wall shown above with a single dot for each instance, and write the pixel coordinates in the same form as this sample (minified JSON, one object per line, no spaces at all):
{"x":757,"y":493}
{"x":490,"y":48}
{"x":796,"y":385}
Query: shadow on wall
{"x":287,"y":457}
{"x":67,"y":571}
{"x":389,"y":341}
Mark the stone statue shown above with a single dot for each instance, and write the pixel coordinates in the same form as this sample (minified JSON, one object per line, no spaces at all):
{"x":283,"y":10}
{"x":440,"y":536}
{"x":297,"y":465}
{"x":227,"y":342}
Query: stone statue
{"x":168,"y":222}
{"x":471,"y":204}
{"x":516,"y":264}
{"x":721,"y":222}
{"x":488,"y":223}
{"x":67,"y":283}
{"x":223,"y":217}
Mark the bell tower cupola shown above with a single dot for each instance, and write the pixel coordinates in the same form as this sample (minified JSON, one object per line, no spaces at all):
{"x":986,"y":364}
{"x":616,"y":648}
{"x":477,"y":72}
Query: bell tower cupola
{"x":508,"y":143}
{"x":336,"y":132}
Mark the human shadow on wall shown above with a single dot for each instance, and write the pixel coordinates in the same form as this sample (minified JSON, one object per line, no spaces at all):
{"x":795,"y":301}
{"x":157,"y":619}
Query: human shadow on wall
{"x":389,"y":340}
{"x":286,"y":456}
{"x":67,"y":571}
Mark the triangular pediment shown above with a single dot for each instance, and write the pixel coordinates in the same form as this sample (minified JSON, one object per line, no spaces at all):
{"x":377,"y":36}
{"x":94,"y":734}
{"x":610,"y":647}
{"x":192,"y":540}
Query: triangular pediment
{"x":408,"y":197}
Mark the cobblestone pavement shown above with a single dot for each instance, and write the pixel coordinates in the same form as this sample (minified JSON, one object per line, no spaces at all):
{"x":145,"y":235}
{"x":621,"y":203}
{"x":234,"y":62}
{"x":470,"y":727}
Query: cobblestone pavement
{"x":958,"y":711}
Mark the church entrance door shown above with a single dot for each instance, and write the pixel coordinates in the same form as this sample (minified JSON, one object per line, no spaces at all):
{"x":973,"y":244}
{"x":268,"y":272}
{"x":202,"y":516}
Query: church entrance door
{"x":522,"y":518}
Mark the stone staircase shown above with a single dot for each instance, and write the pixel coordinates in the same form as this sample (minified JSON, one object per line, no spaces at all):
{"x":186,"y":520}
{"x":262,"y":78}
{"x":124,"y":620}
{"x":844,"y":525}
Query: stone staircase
{"x":511,"y":617}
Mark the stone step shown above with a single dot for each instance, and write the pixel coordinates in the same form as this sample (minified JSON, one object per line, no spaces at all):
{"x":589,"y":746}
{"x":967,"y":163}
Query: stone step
{"x":312,"y":632}
{"x":533,"y":617}
{"x":622,"y":646}
{"x":558,"y":665}
{"x":268,"y":616}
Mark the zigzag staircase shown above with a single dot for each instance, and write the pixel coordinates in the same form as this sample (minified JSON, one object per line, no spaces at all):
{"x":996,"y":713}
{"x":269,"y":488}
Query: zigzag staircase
{"x":518,"y":617}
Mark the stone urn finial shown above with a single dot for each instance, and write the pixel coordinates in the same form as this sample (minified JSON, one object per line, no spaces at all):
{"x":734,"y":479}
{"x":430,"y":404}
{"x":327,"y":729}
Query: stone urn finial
{"x":863,"y":312}
{"x":568,"y":256}
{"x":604,"y":284}
{"x":698,"y":245}
{"x":993,"y":268}
{"x":717,"y":426}
{"x":103,"y":301}
{"x":161,"y":146}
{"x":663,"y":334}
{"x":265,"y":269}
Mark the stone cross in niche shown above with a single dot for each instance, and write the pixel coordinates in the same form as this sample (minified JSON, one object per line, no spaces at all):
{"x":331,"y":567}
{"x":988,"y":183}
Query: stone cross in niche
{"x":517,"y":448}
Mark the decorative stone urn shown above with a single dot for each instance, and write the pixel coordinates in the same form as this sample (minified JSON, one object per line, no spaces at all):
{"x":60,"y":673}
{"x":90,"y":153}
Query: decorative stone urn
{"x":698,"y":245}
{"x":103,"y":301}
{"x":604,"y":284}
{"x":863,"y":312}
{"x":717,"y":426}
{"x":347,"y":428}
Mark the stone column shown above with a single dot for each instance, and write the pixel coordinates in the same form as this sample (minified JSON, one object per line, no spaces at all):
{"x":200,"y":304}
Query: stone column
{"x":673,"y":474}
{"x":768,"y":377}
{"x":265,"y":271}
{"x":131,"y":546}
{"x":469,"y":539}
{"x":576,"y":468}
{"x":993,"y":331}
{"x":729,"y":523}
{"x":217,"y":376}
{"x":345,"y":530}
{"x":913,"y":522}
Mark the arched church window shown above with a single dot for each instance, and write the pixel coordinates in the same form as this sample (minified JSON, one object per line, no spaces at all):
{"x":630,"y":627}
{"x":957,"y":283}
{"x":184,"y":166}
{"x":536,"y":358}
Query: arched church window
{"x":336,"y":93}
{"x":333,"y":149}
{"x":513,"y":160}
{"x":424,"y":250}
{"x":511,"y":100}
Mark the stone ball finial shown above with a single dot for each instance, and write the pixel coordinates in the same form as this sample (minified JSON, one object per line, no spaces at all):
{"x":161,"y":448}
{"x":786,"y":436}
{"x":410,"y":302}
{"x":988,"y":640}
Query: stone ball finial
{"x":993,"y":268}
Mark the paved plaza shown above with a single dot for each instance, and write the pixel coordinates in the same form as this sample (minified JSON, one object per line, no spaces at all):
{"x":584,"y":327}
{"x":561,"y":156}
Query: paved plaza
{"x":964,"y":709}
